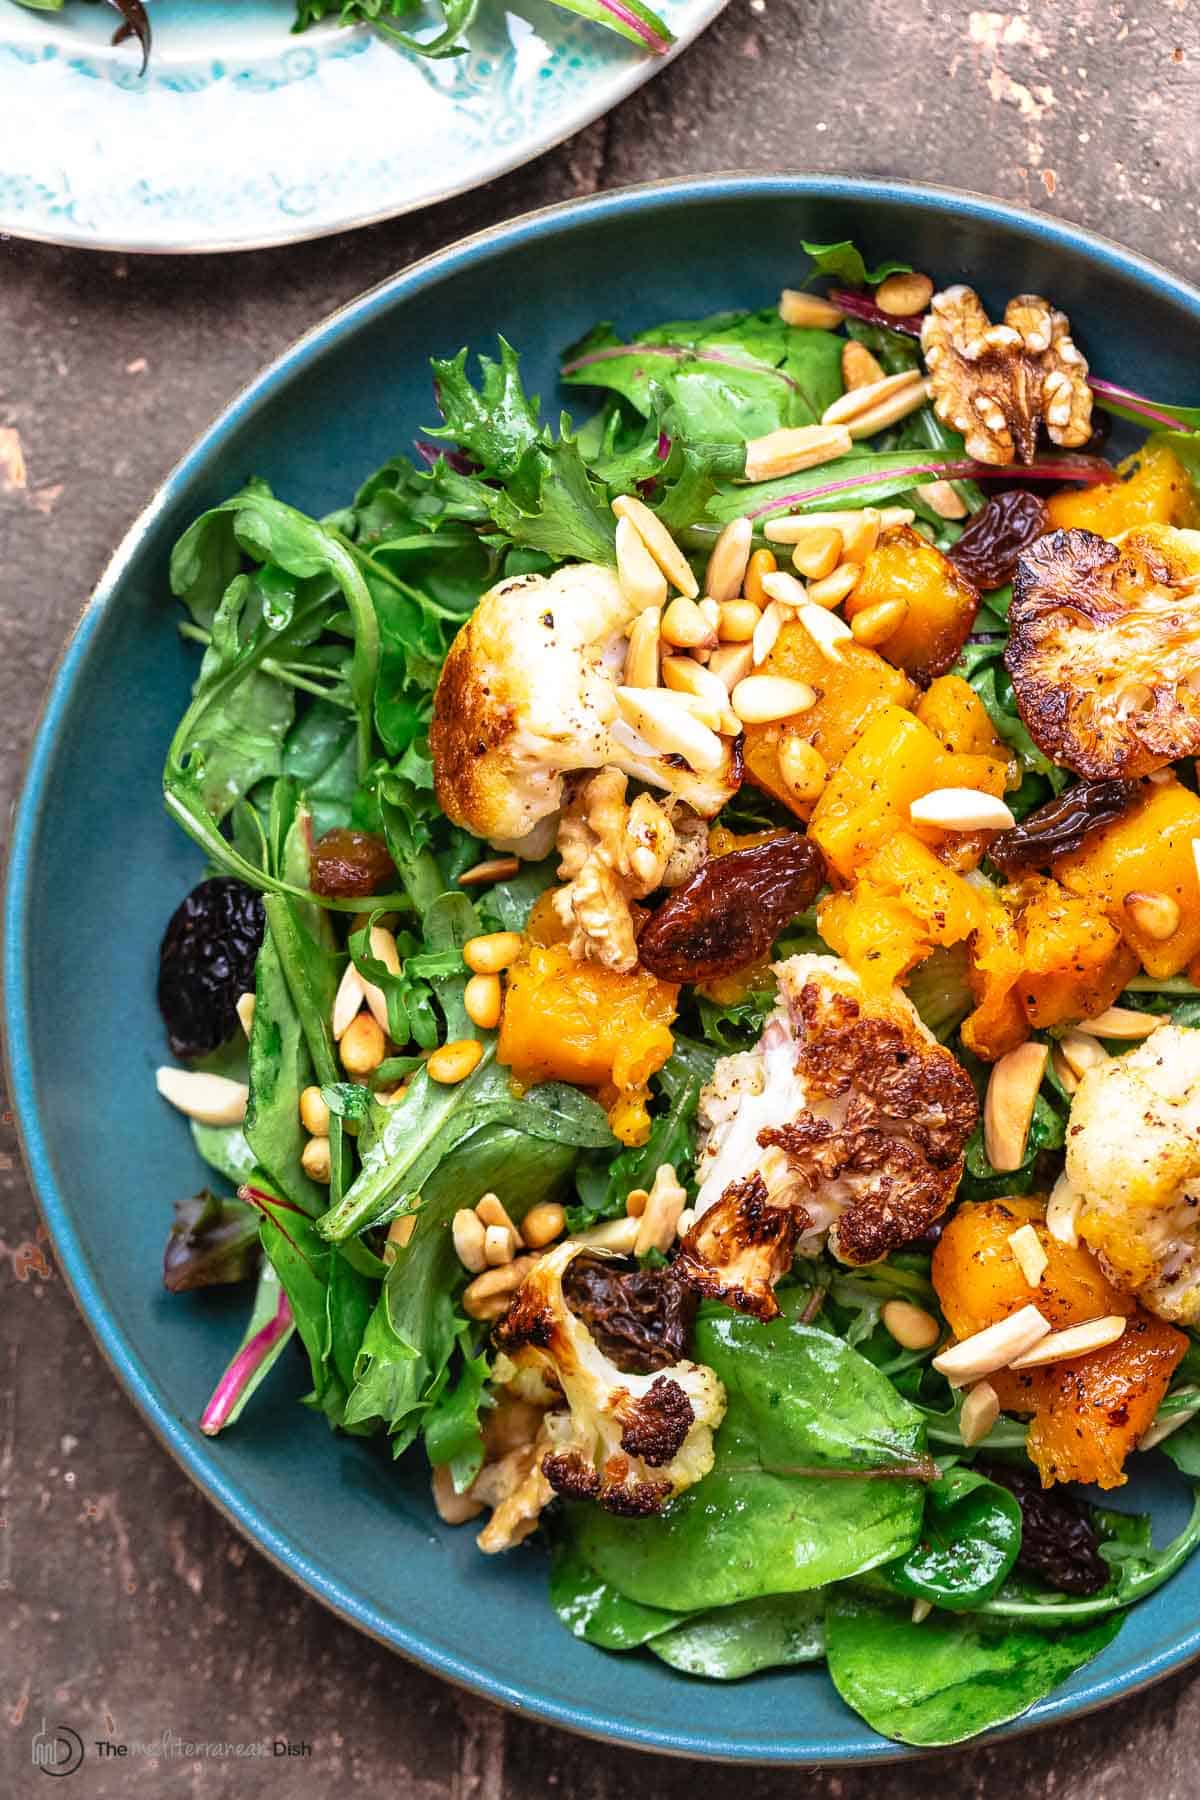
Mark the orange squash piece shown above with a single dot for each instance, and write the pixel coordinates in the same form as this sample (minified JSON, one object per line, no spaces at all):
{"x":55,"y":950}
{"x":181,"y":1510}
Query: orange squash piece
{"x":1073,"y":962}
{"x":957,"y":716}
{"x":1089,"y":1412}
{"x":577,"y":1021}
{"x":1148,"y":849}
{"x":1154,"y":489}
{"x":904,"y":903}
{"x":941,"y":603}
{"x":998,"y":1023}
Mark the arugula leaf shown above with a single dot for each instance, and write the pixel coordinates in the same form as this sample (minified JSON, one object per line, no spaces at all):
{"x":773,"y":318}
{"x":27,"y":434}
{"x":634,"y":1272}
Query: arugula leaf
{"x":949,"y":1677}
{"x":779,"y":1631}
{"x":844,"y":262}
{"x":453,"y":1433}
{"x":1138,"y":1568}
{"x":280,"y":1070}
{"x":735,"y":1025}
{"x":1046,"y":1132}
{"x":605,"y":1185}
{"x":970,"y":1536}
{"x":817,"y":1477}
{"x":311,"y":972}
{"x":319,"y":755}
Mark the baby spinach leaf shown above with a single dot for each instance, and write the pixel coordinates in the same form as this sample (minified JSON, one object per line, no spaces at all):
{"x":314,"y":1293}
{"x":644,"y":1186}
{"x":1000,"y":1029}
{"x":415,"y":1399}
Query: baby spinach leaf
{"x":949,"y":1677}
{"x":605,"y":1184}
{"x":970,"y":1536}
{"x":818,"y":1473}
{"x":844,"y":262}
{"x":600,"y":1614}
{"x":1047,"y":1131}
{"x":777,"y":1632}
{"x":319,"y":755}
{"x":224,"y":1148}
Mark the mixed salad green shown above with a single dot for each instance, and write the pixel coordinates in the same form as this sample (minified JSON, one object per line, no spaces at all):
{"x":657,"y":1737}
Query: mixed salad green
{"x":844,"y":1518}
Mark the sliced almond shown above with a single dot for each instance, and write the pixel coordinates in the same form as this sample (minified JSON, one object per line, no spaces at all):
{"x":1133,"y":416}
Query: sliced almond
{"x":617,"y":1235}
{"x":209,"y":1099}
{"x":866,"y":410}
{"x":993,"y":1348}
{"x":641,"y":580}
{"x":763,"y":699}
{"x":684,"y":675}
{"x":1165,"y":1427}
{"x":1063,"y":1072}
{"x":659,"y":543}
{"x":1008,"y":1107}
{"x":1062,"y":1213}
{"x":860,"y":539}
{"x":859,"y":367}
{"x":826,"y":630}
{"x":766,"y":632}
{"x":496,"y":868}
{"x":789,"y":528}
{"x":980,"y":1411}
{"x":1121,"y":1022}
{"x":785,"y":588}
{"x":383,"y":949}
{"x":942,"y":498}
{"x":245,"y":1012}
{"x":793,"y":448}
{"x":1026,"y":1246}
{"x":348,"y":1001}
{"x":731,"y":664}
{"x":727,"y":564}
{"x":645,"y":640}
{"x":669,"y":727}
{"x":808,"y":310}
{"x":961,"y":809}
{"x":660,"y":1217}
{"x":1081,"y":1052}
{"x":1076,"y":1340}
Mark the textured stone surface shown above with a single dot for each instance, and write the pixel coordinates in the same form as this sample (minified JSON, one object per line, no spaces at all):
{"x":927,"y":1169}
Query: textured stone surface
{"x":127,"y":1604}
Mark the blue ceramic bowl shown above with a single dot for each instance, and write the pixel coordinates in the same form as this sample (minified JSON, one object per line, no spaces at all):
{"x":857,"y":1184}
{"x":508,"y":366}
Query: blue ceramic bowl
{"x":107,"y":1158}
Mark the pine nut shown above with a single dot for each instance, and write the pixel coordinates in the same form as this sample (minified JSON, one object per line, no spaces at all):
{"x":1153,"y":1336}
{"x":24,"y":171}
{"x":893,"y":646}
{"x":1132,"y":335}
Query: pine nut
{"x":245,"y":1013}
{"x":864,"y":411}
{"x":1076,"y":1340}
{"x":785,"y":588}
{"x":661,"y":717}
{"x":959,"y":809}
{"x":859,"y":367}
{"x":727,"y":564}
{"x":493,"y":870}
{"x":737,"y":621}
{"x":641,"y":580}
{"x":496,"y":868}
{"x":942,"y":498}
{"x":980,"y":1411}
{"x":453,"y":1062}
{"x":791,"y":527}
{"x":710,"y":610}
{"x":1081,"y":1052}
{"x":659,"y":543}
{"x":833,"y":589}
{"x":771,"y":623}
{"x":383,"y":949}
{"x":793,"y":448}
{"x":363,"y":1045}
{"x":664,"y":1206}
{"x":1154,"y":914}
{"x":875,"y":624}
{"x":762,"y":699}
{"x":685,"y":676}
{"x":209,"y":1099}
{"x":992,"y":1348}
{"x":468,"y":1231}
{"x":499,"y":1245}
{"x":492,"y":952}
{"x":859,"y":540}
{"x":495,"y":1284}
{"x":617,"y":1235}
{"x":1064,"y":1074}
{"x":492,"y":1210}
{"x":348,"y":1001}
{"x":482,"y":1001}
{"x":911,"y":1326}
{"x":1008,"y":1107}
{"x":1163,"y":1428}
{"x":314,"y":1114}
{"x":452,"y":1508}
{"x":802,"y":767}
{"x":763,"y":563}
{"x":903,"y":295}
{"x":1121,"y":1022}
{"x":635,"y":1202}
{"x":921,"y":1610}
{"x":399,"y":1235}
{"x":1062,"y":1213}
{"x":1026,"y":1246}
{"x":731,"y":663}
{"x":645,"y":642}
{"x":808,"y":311}
{"x":316,"y":1160}
{"x":685,"y":626}
{"x":543,"y":1223}
{"x":818,"y":552}
{"x":826,"y":630}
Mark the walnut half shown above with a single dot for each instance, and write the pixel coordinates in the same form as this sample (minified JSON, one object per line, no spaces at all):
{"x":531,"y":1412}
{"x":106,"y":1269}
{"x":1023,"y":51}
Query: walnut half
{"x":997,"y":383}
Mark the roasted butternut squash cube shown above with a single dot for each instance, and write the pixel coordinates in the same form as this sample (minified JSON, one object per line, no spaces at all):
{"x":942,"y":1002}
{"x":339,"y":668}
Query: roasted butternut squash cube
{"x":1073,"y":960}
{"x":957,"y":716}
{"x":998,"y":1023}
{"x":1147,"y":850}
{"x":849,"y":693}
{"x":904,"y":903}
{"x":941,"y":603}
{"x":1153,"y":488}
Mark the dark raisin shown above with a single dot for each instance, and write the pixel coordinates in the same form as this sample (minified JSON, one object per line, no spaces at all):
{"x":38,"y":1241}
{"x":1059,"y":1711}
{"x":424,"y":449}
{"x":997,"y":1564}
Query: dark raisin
{"x":1061,"y":825}
{"x":206,"y":963}
{"x":641,"y":1318}
{"x":731,"y":910}
{"x":349,"y":865}
{"x":1058,"y":1540}
{"x":988,"y":549}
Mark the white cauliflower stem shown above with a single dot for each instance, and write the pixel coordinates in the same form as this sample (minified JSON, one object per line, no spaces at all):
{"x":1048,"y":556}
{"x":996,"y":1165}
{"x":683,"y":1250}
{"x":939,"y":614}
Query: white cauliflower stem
{"x":1133,"y":1158}
{"x":629,"y":1442}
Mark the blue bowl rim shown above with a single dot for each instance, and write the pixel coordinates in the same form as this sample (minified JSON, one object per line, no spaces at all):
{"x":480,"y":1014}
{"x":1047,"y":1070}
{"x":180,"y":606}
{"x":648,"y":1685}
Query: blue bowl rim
{"x":200,"y":1460}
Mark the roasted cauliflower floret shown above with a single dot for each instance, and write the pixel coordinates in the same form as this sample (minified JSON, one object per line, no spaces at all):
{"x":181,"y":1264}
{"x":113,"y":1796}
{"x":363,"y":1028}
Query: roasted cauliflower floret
{"x":630,"y":1442}
{"x":1105,"y":649}
{"x":849,"y":1120}
{"x":528,"y":694}
{"x":1133,"y":1158}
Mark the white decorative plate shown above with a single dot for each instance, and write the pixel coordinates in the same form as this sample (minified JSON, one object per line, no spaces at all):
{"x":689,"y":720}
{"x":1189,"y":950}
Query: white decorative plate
{"x":241,"y":135}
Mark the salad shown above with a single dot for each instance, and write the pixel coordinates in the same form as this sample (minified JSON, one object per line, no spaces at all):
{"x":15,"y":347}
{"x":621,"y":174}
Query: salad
{"x":692,"y":1006}
{"x":628,"y":18}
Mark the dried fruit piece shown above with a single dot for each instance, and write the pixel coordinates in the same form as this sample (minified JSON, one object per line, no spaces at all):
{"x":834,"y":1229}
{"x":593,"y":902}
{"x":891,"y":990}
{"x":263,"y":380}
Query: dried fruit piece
{"x":641,"y":1318}
{"x":1061,"y":825}
{"x":986,"y":553}
{"x":206,"y":962}
{"x":730,"y":912}
{"x":1058,"y":1540}
{"x":348,"y":865}
{"x":1105,"y":649}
